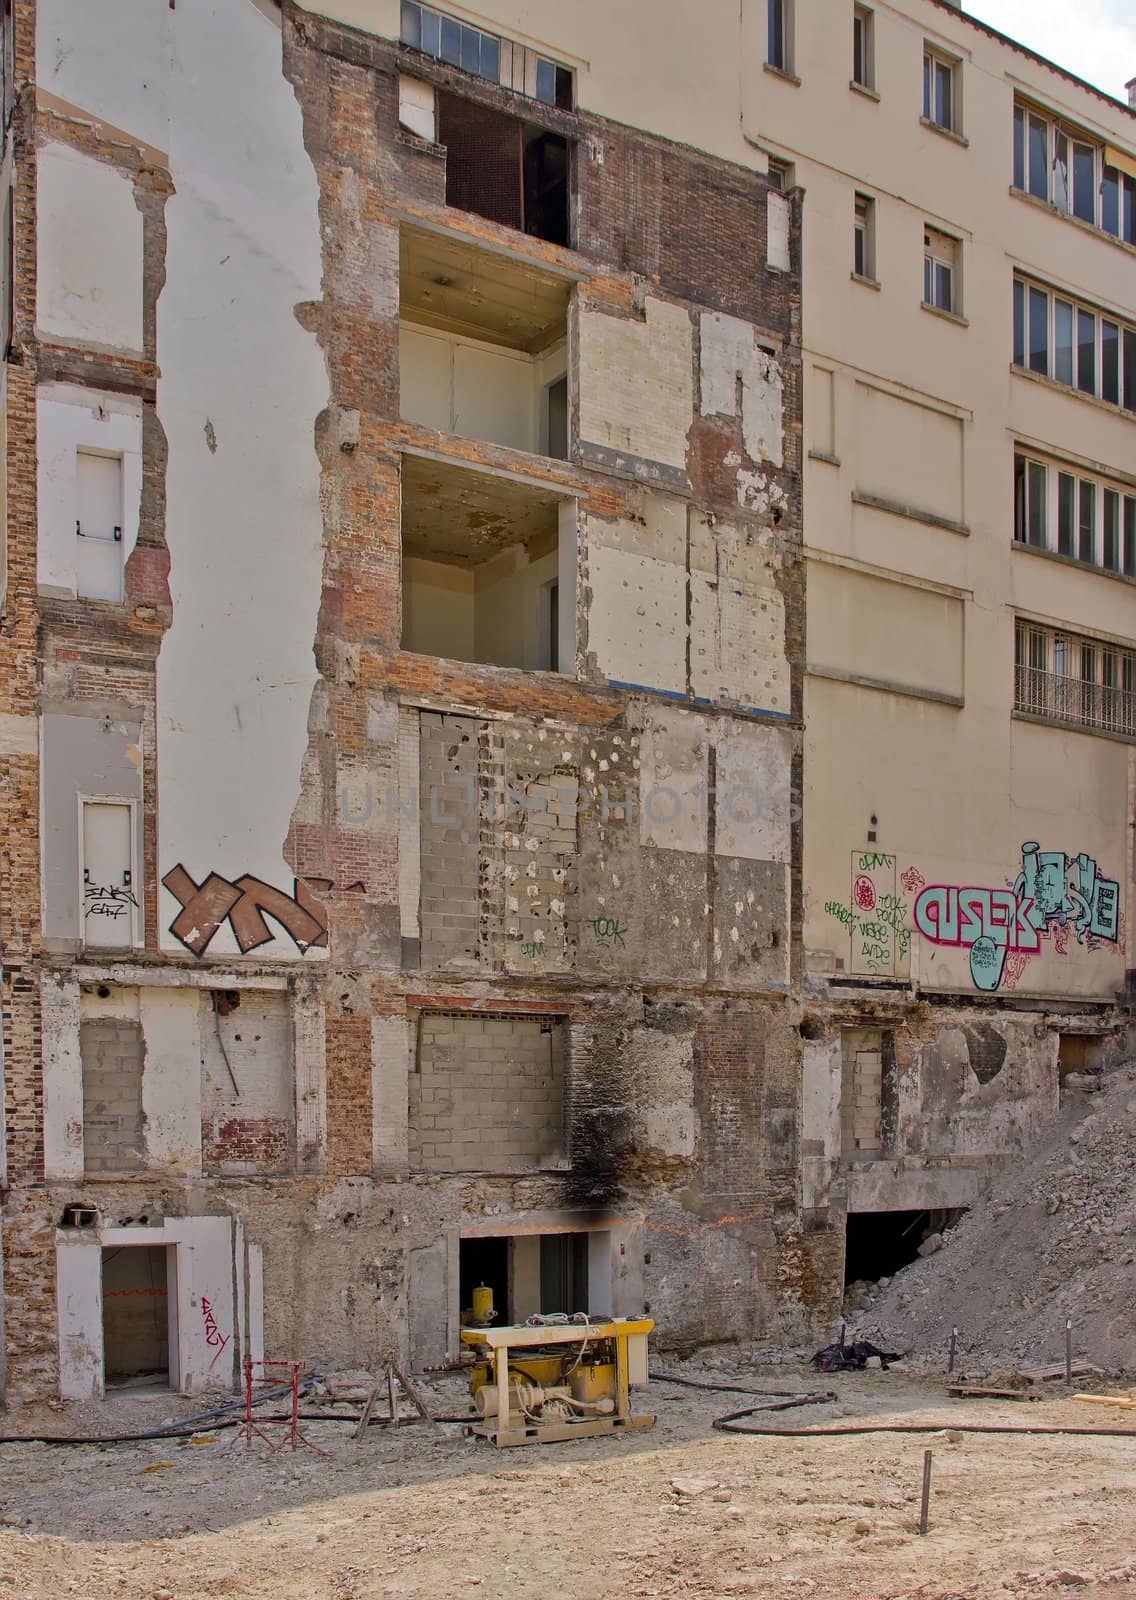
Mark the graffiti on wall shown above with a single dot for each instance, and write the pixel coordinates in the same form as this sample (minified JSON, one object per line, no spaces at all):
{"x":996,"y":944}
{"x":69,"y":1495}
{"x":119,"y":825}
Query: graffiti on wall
{"x":875,"y":915}
{"x":245,"y":903}
{"x":1054,"y":895}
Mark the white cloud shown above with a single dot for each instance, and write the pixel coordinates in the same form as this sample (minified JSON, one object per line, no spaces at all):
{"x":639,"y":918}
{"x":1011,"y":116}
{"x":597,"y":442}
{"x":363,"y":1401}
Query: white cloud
{"x":1096,"y":39}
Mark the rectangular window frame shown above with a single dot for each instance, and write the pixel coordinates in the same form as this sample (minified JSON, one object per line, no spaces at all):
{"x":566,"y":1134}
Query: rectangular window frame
{"x":1060,"y":509}
{"x":941,"y":90}
{"x":942,"y":270}
{"x":1074,"y":681}
{"x":864,"y":237}
{"x":864,"y":48}
{"x":779,"y":36}
{"x":1074,"y":343}
{"x":1068,"y":168}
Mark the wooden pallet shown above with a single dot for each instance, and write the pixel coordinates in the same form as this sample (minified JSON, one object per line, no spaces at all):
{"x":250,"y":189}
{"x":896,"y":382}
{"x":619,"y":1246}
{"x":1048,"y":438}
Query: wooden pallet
{"x":967,"y":1392}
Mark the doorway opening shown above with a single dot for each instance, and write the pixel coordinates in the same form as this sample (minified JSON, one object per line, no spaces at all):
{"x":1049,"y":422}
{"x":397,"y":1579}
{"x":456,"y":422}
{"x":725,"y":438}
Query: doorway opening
{"x":878,"y":1244}
{"x":136,"y":1317}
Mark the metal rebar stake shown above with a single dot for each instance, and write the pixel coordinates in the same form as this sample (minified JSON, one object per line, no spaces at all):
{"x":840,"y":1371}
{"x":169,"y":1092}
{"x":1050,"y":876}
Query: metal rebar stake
{"x":926,"y":1505}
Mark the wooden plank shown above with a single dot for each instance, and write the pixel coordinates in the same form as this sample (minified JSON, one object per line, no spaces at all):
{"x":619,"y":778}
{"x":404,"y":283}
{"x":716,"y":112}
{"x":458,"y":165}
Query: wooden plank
{"x":1125,"y":1400}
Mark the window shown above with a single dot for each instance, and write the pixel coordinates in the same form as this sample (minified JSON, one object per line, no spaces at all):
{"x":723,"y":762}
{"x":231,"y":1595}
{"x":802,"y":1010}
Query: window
{"x":940,"y":90}
{"x":779,"y":50}
{"x":1085,"y":518}
{"x":864,"y":238}
{"x":863,"y":48}
{"x":486,"y":56}
{"x":940,"y":271}
{"x":1029,"y":501}
{"x":1074,"y":344}
{"x":511,"y":172}
{"x":1074,"y":172}
{"x":1067,"y":679}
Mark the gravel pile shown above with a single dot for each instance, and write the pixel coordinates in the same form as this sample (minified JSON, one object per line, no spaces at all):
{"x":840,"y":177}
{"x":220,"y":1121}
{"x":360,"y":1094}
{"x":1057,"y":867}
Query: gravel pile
{"x":1054,"y":1238}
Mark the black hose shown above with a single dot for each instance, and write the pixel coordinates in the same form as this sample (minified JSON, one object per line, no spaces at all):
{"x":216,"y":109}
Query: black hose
{"x":182,"y":1432}
{"x":725,"y":1388}
{"x":728,"y":1424}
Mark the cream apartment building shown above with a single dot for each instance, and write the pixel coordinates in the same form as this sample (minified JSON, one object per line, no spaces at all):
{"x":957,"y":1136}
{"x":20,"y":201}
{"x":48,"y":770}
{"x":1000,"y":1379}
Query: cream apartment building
{"x":969,"y":283}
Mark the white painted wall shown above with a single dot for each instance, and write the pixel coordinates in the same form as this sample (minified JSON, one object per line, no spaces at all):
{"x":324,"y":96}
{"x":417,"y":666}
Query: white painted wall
{"x":206,"y":1259}
{"x":62,"y":1078}
{"x":236,"y":670}
{"x":171,"y":1079}
{"x":69,"y":419}
{"x":89,"y":282}
{"x":110,"y":59}
{"x":472,"y":388}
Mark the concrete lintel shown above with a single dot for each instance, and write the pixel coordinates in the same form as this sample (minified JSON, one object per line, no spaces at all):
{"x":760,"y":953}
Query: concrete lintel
{"x":886,"y":685}
{"x":896,"y":508}
{"x":178,"y":977}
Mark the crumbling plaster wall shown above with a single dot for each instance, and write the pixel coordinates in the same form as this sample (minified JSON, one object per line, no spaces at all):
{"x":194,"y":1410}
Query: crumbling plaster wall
{"x":964,"y":1090}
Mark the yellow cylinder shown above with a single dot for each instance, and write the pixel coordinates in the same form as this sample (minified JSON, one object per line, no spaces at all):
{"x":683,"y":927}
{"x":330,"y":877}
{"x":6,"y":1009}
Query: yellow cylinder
{"x":483,"y":1306}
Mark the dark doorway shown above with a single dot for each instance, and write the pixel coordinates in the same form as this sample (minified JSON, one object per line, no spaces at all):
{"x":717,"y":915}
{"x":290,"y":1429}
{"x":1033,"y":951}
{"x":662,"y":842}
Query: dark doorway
{"x":485,"y":1261}
{"x":563,"y":1272}
{"x":879,"y":1243}
{"x":503,"y":169}
{"x":136,"y":1316}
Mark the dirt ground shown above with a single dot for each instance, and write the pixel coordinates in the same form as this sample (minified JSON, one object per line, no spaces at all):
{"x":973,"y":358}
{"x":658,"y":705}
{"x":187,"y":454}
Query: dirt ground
{"x":426,"y":1513}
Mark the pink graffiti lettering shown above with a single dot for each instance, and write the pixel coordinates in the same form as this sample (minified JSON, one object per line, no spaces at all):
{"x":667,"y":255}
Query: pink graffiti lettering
{"x":952,"y":915}
{"x":214,"y":1338}
{"x":912,"y":880}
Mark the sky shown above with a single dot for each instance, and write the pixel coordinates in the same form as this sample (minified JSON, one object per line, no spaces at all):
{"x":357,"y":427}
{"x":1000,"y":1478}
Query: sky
{"x":1096,"y":39}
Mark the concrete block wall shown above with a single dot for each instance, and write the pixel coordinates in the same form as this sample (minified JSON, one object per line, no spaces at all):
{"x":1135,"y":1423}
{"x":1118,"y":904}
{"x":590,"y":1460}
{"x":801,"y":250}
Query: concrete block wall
{"x":113,"y":1055}
{"x":449,"y":828}
{"x":487,"y":1094}
{"x":862,"y":1096}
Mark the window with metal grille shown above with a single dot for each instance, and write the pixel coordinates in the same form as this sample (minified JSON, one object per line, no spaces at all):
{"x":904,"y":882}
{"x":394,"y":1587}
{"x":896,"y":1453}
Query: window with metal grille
{"x":1063,"y":678}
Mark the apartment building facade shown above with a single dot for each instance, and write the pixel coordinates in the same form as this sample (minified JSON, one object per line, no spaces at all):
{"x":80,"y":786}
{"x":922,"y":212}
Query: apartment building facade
{"x":969,"y":279}
{"x":403,"y":641}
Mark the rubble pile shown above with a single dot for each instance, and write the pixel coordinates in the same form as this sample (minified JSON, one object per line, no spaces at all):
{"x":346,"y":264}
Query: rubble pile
{"x":1054,"y":1238}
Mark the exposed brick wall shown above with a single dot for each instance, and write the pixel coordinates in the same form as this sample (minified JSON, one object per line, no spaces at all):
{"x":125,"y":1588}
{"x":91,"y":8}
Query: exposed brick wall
{"x":487,"y":1094}
{"x":113,"y":1055}
{"x":248,"y":1086}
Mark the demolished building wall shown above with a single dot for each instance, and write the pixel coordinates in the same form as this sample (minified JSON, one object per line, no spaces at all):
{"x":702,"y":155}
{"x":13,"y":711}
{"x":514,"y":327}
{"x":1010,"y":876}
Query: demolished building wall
{"x":401,"y":950}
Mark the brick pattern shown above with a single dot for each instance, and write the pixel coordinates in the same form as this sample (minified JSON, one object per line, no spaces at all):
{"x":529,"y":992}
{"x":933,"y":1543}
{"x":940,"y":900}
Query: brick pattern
{"x":487,"y":1094}
{"x":113,"y":1054}
{"x":862,"y":1092}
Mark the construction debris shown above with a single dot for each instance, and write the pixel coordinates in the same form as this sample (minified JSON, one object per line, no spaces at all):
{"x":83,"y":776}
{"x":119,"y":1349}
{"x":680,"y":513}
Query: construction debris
{"x":1054,"y":1239}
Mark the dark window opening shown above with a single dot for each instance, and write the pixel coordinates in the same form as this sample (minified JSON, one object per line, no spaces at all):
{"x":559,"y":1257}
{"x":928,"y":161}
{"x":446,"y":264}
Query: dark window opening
{"x":136,"y":1317}
{"x":504,"y":170}
{"x":558,"y":419}
{"x":878,"y":1244}
{"x":563,"y":1273}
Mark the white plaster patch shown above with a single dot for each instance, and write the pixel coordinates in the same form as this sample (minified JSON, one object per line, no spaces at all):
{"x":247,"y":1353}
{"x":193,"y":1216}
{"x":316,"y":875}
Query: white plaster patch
{"x":110,"y":59}
{"x":636,"y":381}
{"x":731,"y":358}
{"x":673,"y":803}
{"x":753,"y":812}
{"x":89,"y":272}
{"x":637,"y":619}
